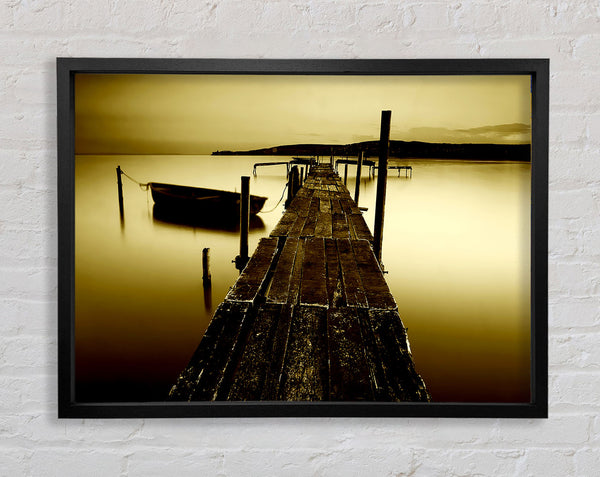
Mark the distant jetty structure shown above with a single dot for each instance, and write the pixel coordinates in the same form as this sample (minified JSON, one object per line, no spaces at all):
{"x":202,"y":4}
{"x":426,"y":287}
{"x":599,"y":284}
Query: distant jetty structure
{"x":311,"y":317}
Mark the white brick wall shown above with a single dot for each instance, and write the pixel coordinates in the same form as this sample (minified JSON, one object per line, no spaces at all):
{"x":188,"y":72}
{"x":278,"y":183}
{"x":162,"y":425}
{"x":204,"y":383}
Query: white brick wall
{"x":34,"y":442}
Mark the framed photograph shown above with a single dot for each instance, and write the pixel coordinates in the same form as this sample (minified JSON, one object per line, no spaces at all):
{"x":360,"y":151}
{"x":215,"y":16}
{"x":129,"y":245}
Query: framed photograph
{"x":302,"y":237}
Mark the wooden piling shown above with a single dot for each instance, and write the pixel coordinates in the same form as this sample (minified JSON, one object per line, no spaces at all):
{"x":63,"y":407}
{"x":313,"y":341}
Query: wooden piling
{"x":358,"y":172}
{"x":206,"y":279}
{"x":346,"y":174}
{"x":293,"y":185}
{"x":120,"y":187}
{"x":384,"y":144}
{"x":244,"y":222}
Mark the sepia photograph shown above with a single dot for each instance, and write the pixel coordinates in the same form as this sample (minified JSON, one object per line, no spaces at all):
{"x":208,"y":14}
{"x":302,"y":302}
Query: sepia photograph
{"x":297,"y":237}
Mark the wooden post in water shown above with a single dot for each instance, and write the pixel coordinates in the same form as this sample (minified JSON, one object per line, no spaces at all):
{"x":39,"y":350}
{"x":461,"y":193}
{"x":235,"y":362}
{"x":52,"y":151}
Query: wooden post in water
{"x":295,"y":181}
{"x":242,"y":259}
{"x":358,"y":171}
{"x":346,"y":174}
{"x":384,"y":145}
{"x":120,"y":186}
{"x":206,"y":279}
{"x":293,"y":185}
{"x":302,"y":176}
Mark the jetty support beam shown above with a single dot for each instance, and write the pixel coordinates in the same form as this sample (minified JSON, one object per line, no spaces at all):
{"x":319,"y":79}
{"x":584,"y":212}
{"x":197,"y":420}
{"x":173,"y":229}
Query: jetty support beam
{"x":384,"y":145}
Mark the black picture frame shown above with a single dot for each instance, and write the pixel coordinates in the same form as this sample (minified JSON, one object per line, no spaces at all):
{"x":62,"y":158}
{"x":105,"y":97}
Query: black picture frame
{"x":67,"y":68}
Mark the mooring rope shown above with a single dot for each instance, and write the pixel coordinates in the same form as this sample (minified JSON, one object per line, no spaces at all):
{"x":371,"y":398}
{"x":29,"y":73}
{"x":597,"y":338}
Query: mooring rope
{"x":276,"y":205}
{"x":143,"y":186}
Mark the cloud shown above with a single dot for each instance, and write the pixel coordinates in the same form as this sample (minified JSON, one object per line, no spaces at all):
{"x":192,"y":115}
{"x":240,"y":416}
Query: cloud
{"x":514,"y":133}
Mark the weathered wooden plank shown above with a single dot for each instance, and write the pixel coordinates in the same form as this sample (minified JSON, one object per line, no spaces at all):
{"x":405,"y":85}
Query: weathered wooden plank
{"x":252,"y":278}
{"x":300,"y":205}
{"x":349,"y":376}
{"x":395,"y":356}
{"x":349,"y":206}
{"x":280,"y":283}
{"x":325,"y":205}
{"x":323,"y":226}
{"x":276,"y":357}
{"x":296,"y":229}
{"x":360,"y":228}
{"x":285,"y":223}
{"x":222,"y":357}
{"x":296,"y":276}
{"x":187,"y":380}
{"x":313,"y":290}
{"x":380,"y":385}
{"x":321,"y":194}
{"x":353,"y":287}
{"x":334,"y":274}
{"x":336,"y":208}
{"x":249,"y":377}
{"x":340,"y":226}
{"x":311,"y":220}
{"x":304,"y":376}
{"x":304,"y":192}
{"x":375,"y":286}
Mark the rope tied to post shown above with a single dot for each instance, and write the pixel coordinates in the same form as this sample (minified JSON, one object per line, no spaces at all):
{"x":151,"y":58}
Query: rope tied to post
{"x":142,"y":185}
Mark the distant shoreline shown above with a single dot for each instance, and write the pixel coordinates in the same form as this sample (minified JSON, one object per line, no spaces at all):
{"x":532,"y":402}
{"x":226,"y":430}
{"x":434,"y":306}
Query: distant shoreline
{"x":399,"y":150}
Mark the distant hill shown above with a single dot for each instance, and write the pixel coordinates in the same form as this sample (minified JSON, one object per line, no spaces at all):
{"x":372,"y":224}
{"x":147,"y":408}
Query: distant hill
{"x":398,"y":149}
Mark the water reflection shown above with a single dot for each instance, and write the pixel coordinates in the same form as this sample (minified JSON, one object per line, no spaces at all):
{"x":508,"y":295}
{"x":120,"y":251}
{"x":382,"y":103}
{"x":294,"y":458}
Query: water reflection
{"x":221,"y":222}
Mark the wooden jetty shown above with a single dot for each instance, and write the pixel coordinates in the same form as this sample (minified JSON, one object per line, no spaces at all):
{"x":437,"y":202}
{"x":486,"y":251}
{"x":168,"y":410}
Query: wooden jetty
{"x":310,"y":318}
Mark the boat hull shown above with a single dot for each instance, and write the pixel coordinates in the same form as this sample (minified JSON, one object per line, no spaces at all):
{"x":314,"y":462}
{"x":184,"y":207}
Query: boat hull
{"x":197,"y":200}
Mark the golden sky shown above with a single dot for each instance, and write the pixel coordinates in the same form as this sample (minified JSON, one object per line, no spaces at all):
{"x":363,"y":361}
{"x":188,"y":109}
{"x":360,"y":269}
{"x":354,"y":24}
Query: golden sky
{"x":198,"y":114}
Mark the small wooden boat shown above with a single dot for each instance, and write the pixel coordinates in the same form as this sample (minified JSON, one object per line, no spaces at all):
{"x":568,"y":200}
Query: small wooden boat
{"x":197,"y":200}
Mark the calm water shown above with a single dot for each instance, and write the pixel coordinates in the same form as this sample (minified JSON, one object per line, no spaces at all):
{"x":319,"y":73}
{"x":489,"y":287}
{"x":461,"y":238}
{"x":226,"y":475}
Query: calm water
{"x":456,"y":249}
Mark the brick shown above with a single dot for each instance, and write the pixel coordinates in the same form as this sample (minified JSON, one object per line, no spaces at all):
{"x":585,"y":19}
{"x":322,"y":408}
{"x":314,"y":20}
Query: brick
{"x":42,"y":15}
{"x":587,"y":461}
{"x":593,"y":128}
{"x":61,"y":462}
{"x":587,"y":93}
{"x":380,"y":17}
{"x":574,"y":313}
{"x":573,"y":204}
{"x":26,"y":207}
{"x":468,"y":462}
{"x":575,"y":351}
{"x":558,"y":48}
{"x":564,"y":241}
{"x":22,"y":395}
{"x":22,"y":355}
{"x":88,"y":15}
{"x":548,"y":462}
{"x":160,"y":461}
{"x":333,"y":16}
{"x":432,"y":16}
{"x":471,"y":16}
{"x":15,"y":462}
{"x":573,"y":166}
{"x":573,"y":390}
{"x":574,"y":279}
{"x":27,"y":317}
{"x":585,"y":50}
{"x":568,"y":127}
{"x":558,"y":431}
